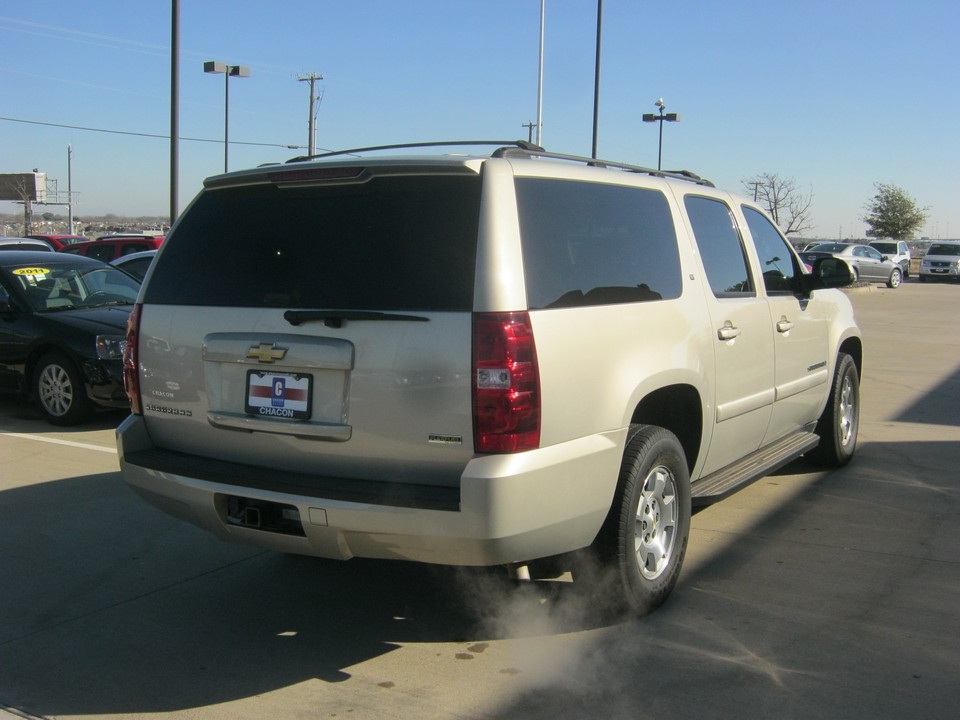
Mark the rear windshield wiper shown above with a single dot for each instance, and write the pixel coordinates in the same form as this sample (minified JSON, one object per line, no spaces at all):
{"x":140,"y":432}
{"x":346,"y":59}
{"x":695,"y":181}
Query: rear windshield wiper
{"x":335,"y":318}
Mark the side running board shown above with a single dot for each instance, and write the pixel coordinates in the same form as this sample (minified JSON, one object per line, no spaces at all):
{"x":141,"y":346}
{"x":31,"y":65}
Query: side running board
{"x":725,"y":481}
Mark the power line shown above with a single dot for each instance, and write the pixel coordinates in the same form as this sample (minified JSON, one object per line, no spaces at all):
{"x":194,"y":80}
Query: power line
{"x":149,"y":135}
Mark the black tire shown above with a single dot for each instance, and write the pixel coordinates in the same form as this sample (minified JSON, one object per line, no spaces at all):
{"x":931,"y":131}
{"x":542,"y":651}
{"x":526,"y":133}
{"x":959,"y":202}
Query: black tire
{"x":896,"y":277}
{"x":839,"y":425}
{"x":644,"y":538}
{"x":59,"y":392}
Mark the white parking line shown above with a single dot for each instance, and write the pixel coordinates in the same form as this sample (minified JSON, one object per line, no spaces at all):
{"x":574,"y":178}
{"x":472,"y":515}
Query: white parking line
{"x":57,"y":441}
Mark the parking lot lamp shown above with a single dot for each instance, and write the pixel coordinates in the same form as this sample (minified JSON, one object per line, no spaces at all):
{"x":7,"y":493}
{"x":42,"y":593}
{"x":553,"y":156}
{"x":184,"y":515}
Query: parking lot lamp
{"x":228,"y":72}
{"x":661,"y":118}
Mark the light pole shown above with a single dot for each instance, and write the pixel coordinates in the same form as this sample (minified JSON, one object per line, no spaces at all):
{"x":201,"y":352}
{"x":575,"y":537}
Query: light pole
{"x":668,"y":117}
{"x":216,"y":67}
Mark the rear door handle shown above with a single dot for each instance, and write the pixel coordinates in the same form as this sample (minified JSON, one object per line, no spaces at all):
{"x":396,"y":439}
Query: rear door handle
{"x":784,"y":325}
{"x":728,"y":331}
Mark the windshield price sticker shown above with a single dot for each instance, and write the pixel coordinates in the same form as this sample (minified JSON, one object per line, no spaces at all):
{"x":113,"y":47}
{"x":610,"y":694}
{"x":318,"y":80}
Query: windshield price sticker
{"x":279,"y":395}
{"x":33,"y":273}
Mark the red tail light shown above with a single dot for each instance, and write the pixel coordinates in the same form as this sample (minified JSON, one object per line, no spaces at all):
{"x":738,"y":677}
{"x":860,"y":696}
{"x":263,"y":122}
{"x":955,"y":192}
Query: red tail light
{"x":131,"y":374}
{"x":506,"y":384}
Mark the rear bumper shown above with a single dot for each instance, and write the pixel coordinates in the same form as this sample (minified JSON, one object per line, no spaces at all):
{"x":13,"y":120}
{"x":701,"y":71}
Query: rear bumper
{"x":507,"y":508}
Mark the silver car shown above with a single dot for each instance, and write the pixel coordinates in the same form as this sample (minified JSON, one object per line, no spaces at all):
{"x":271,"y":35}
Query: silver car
{"x":867,"y":264}
{"x":942,"y":260}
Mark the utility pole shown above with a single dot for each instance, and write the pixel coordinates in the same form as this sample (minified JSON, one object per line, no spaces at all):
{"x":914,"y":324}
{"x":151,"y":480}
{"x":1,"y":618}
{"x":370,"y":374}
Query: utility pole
{"x":70,"y":185}
{"x":596,"y":79}
{"x":530,"y":126}
{"x":540,"y":79}
{"x":312,"y":124}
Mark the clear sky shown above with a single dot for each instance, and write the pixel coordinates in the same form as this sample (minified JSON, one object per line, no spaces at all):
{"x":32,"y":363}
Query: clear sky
{"x":835,"y":94}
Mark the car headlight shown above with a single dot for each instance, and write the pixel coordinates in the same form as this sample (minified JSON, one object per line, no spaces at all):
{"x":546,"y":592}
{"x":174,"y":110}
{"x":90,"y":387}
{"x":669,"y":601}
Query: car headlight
{"x":110,"y":347}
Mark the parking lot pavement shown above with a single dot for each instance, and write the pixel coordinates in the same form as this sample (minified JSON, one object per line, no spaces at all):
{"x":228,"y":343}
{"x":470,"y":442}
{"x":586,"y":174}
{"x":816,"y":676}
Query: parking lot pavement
{"x":807,"y":595}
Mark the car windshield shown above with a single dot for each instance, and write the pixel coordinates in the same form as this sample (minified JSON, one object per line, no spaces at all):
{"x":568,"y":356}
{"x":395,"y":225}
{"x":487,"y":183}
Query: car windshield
{"x":885,"y":247}
{"x":53,"y":287}
{"x":830,"y":248}
{"x":944,"y":249}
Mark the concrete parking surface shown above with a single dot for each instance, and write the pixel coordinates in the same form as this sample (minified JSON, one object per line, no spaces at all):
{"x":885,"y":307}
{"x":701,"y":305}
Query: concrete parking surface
{"x":807,"y":595}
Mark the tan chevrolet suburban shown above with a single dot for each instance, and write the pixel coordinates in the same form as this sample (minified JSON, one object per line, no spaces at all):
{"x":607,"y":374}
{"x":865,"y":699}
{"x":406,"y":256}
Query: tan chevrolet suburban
{"x":479,"y":360}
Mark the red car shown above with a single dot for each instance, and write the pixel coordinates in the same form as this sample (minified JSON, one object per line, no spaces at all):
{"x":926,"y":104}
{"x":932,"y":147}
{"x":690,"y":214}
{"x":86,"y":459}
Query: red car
{"x":59,"y":242}
{"x":111,"y":247}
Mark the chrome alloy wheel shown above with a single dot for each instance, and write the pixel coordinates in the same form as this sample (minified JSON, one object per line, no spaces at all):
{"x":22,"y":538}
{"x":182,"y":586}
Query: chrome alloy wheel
{"x":55,"y":389}
{"x":655,"y":533}
{"x":848,"y":411}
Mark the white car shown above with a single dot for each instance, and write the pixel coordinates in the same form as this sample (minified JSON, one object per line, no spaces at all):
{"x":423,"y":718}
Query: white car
{"x":480,"y":360}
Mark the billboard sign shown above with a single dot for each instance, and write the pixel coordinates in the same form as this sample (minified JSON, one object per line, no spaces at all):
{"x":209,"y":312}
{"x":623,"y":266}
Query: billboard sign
{"x":23,"y":186}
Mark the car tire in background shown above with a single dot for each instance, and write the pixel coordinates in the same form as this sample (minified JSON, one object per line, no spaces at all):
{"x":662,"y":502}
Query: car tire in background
{"x":59,"y":392}
{"x":896,"y":277}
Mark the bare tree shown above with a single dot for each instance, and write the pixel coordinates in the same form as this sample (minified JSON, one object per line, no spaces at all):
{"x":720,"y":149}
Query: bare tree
{"x":787,"y":205}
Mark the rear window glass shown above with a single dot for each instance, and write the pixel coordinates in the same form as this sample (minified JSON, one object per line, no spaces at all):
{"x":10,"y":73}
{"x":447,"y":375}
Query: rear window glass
{"x":392,"y":243}
{"x":596,"y":244}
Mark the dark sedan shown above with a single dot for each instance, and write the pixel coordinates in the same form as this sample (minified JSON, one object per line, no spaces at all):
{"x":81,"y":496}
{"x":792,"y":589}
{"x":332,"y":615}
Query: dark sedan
{"x":63,"y":321}
{"x":868,"y":264}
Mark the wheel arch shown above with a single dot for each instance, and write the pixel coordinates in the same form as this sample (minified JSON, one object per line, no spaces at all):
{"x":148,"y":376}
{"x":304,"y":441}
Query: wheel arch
{"x":679,"y":409}
{"x":853,"y":346}
{"x":40,"y":350}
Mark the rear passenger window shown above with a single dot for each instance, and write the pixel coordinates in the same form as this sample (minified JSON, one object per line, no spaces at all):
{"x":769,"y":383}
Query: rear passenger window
{"x":776,"y":261}
{"x":721,"y":246}
{"x":596,"y":244}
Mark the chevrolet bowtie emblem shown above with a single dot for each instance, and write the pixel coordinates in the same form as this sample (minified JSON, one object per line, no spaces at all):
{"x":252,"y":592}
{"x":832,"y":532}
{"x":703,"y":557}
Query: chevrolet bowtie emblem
{"x":266,"y":352}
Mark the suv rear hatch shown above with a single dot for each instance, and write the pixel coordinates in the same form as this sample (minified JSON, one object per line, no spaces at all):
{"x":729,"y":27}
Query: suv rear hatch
{"x":325,"y":330}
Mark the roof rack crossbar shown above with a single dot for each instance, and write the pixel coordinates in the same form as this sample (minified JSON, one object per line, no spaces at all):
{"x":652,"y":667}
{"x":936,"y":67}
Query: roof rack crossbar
{"x":521,"y":144}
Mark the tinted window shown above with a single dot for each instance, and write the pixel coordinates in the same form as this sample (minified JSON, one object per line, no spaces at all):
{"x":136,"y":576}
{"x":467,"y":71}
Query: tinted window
{"x":101,"y":252}
{"x":596,"y":244}
{"x":720,"y":246}
{"x":388,"y":244}
{"x":128,"y":248}
{"x":138,"y":268}
{"x":776,"y":260}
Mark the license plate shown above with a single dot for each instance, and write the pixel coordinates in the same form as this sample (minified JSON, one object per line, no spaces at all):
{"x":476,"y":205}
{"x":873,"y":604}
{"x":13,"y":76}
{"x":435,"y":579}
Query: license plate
{"x":279,"y":395}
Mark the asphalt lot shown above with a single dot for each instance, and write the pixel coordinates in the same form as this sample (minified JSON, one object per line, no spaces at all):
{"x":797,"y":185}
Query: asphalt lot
{"x":807,"y":595}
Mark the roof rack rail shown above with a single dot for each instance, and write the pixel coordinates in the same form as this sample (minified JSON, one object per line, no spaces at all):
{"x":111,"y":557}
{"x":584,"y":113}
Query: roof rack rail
{"x":521,"y":144}
{"x":674,"y":174}
{"x":519,"y":148}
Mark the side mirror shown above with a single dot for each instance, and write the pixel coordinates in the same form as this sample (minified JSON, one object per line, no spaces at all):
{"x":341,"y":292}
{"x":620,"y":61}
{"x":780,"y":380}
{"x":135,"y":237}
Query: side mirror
{"x":828,"y":272}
